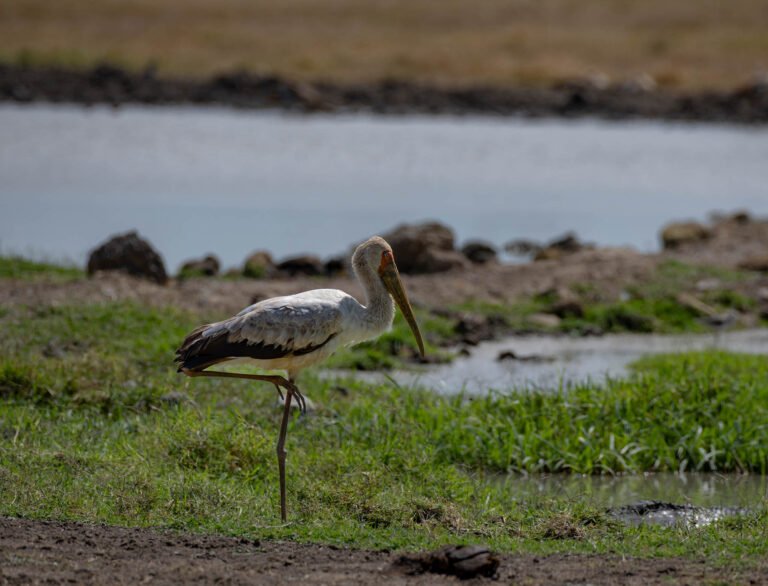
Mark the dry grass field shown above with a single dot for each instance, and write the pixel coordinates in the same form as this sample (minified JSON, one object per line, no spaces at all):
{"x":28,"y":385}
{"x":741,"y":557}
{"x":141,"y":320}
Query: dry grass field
{"x":687,"y":44}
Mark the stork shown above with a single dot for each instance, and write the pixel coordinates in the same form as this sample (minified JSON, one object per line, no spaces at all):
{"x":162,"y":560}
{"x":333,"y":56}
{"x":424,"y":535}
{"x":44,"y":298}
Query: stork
{"x":296,"y":331}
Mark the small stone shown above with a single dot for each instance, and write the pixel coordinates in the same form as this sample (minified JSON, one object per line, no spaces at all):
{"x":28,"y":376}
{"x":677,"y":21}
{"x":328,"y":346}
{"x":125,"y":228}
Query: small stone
{"x":204,"y":267}
{"x":562,"y":246}
{"x":335,"y":266}
{"x":544,"y":320}
{"x":522,"y":247}
{"x":479,"y":252}
{"x":678,"y":234}
{"x":308,"y":265}
{"x":259,"y":265}
{"x":755,"y":263}
{"x":463,"y":561}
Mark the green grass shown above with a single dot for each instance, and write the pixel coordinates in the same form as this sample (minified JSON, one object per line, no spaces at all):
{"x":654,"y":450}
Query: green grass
{"x":16,"y":267}
{"x":103,"y":429}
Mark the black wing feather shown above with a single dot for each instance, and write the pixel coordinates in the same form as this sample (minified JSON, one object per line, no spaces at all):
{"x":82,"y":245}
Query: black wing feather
{"x":198,"y":352}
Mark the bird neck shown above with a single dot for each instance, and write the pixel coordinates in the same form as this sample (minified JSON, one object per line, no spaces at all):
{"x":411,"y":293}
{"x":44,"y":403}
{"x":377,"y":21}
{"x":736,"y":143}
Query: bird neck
{"x":379,"y":306}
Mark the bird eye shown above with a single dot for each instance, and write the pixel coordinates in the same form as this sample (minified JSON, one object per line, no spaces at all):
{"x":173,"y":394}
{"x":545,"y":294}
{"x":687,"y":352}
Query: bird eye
{"x":386,"y":259}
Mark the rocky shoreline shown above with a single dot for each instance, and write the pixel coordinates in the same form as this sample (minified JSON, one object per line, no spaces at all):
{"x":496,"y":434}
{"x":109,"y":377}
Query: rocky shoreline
{"x":565,"y":275}
{"x":108,"y":84}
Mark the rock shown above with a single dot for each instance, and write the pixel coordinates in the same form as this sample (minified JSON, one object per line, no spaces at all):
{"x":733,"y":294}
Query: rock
{"x":302,"y":265}
{"x":439,"y":261}
{"x":511,"y":355}
{"x":562,"y":246}
{"x":678,"y":234}
{"x":425,"y":248}
{"x":742,"y":217}
{"x":479,"y":252}
{"x":259,"y":265}
{"x":522,"y":247}
{"x":568,"y":242}
{"x":562,"y":302}
{"x":544,"y":320}
{"x":474,"y":329}
{"x":622,"y":319}
{"x":207,"y":267}
{"x":130,"y":253}
{"x":335,"y":266}
{"x":643,"y":83}
{"x":739,"y":217}
{"x":567,"y":308}
{"x":755,"y":263}
{"x":548,"y":254}
{"x":463,"y":561}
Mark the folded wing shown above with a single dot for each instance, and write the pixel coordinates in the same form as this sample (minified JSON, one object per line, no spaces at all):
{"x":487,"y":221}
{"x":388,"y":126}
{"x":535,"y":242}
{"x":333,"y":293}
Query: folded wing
{"x":276,"y":328}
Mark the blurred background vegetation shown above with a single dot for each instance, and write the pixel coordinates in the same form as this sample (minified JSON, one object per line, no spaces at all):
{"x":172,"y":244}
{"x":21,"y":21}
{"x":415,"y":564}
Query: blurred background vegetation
{"x":685,"y":44}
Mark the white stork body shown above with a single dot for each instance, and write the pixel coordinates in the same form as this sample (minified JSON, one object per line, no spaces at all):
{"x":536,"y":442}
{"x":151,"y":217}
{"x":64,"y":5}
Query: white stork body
{"x":296,"y":331}
{"x":293,"y":332}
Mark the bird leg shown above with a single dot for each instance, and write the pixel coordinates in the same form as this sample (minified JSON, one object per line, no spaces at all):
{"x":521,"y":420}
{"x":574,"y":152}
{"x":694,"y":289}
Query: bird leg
{"x":281,"y":453}
{"x":291,"y":391}
{"x":276,"y":380}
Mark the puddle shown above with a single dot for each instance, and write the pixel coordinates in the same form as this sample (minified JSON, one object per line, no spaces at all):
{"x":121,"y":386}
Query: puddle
{"x":662,"y":498}
{"x":562,"y":360}
{"x":670,"y":514}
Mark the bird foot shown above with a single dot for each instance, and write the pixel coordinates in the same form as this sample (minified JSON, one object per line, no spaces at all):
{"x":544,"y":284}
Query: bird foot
{"x":295,"y":392}
{"x":300,"y":400}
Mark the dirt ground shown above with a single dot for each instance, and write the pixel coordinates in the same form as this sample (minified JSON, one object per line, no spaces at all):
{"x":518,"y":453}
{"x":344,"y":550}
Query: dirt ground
{"x":50,"y":552}
{"x":614,"y":269}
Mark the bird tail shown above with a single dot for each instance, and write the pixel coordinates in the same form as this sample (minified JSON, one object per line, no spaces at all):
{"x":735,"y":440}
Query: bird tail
{"x":191,"y":355}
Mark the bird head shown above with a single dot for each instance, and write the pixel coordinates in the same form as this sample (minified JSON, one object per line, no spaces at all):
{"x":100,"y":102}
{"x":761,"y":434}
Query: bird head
{"x":377,"y":254}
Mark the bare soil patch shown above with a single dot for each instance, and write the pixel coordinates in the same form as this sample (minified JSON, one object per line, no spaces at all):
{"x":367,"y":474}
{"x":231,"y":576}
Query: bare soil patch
{"x":612,"y":269}
{"x":52,"y":552}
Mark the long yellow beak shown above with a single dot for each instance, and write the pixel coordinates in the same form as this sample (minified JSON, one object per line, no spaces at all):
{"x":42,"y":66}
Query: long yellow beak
{"x":391,"y":278}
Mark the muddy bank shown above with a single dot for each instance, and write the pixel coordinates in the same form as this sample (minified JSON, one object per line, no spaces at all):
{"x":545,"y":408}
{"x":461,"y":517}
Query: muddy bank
{"x":51,"y":552}
{"x":614,"y":269}
{"x":113,"y":85}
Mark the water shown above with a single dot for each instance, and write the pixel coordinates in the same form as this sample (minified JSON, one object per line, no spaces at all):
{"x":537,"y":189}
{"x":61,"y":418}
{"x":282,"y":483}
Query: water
{"x":701,"y":490}
{"x":563,"y":360}
{"x":225,"y":181}
{"x":696,"y":498}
